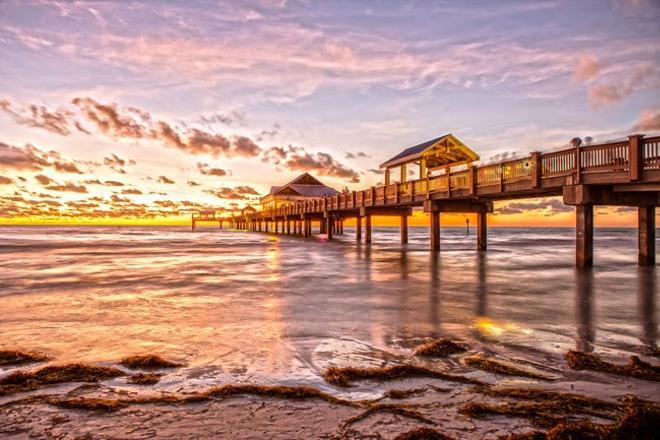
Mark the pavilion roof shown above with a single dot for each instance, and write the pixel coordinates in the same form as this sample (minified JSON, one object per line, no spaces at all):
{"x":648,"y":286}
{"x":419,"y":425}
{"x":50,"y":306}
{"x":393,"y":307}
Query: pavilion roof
{"x":444,"y":150}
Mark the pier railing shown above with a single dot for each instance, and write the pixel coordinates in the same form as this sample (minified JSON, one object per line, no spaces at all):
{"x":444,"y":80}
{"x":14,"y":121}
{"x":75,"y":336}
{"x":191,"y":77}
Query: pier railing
{"x":614,"y":162}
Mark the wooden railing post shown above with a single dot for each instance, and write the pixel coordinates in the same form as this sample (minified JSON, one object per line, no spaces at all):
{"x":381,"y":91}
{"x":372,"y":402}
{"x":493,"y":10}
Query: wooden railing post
{"x":472,"y":175}
{"x":636,"y":156}
{"x":578,"y":163}
{"x":535,"y":164}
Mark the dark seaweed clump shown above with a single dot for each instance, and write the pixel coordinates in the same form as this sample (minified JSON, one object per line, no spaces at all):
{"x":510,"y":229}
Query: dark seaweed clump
{"x":439,"y":348}
{"x":144,"y":378}
{"x":640,"y":422}
{"x":572,"y":403}
{"x":20,"y":381}
{"x":16,"y":357}
{"x":494,"y":366}
{"x":343,"y":376}
{"x":635,"y":367}
{"x":147,"y":362}
{"x":422,"y":434}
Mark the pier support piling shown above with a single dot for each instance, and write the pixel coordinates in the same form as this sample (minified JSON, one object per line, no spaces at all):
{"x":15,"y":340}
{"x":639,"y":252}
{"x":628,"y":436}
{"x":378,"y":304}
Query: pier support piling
{"x":367,"y":229}
{"x":404,"y":229}
{"x":329,"y":227}
{"x":435,"y":230}
{"x":482,"y":231}
{"x":358,"y":229}
{"x":646,"y":235}
{"x":584,"y":235}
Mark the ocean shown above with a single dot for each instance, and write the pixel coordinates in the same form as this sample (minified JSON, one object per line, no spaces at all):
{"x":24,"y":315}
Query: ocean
{"x":254,"y":307}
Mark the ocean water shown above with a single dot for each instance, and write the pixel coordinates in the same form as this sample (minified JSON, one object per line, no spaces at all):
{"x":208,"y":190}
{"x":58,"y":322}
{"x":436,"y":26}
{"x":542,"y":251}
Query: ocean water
{"x":255,"y":307}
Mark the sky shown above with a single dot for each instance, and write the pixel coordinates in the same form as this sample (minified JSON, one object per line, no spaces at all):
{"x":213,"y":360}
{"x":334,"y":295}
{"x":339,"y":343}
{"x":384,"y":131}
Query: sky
{"x":145,"y":111}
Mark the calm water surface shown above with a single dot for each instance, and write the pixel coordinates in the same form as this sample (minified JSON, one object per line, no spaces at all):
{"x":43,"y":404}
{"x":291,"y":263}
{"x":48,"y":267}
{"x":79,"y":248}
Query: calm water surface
{"x":240,"y":306}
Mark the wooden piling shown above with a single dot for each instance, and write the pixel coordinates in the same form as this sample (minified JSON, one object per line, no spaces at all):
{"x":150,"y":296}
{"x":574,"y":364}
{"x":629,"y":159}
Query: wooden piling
{"x":404,"y":229}
{"x":584,"y":235}
{"x":435,"y":231}
{"x":329,"y":227}
{"x":646,"y":235}
{"x":358,"y":229}
{"x":367,"y":229}
{"x":482,"y":231}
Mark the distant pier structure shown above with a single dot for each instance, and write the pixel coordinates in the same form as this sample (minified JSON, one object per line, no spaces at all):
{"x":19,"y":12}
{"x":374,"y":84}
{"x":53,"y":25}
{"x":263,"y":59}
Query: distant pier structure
{"x":205,"y":216}
{"x":445,"y":180}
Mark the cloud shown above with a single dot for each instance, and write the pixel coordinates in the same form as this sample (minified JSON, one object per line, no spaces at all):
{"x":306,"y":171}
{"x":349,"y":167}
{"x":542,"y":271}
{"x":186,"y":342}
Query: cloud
{"x":5,"y":180}
{"x":358,"y":155}
{"x":113,"y":183}
{"x":649,"y":120}
{"x":116,"y":163}
{"x":118,"y":123}
{"x":233,"y":118}
{"x":602,"y":95}
{"x":237,"y":193}
{"x":549,"y":206}
{"x":68,"y":187}
{"x":192,"y":183}
{"x":30,"y":158}
{"x":167,"y":180}
{"x":322,"y":164}
{"x":134,"y":191}
{"x":26,"y":158}
{"x":206,"y":170}
{"x":44,"y":180}
{"x":298,"y":159}
{"x":587,"y":68}
{"x":38,"y":116}
{"x":108,"y":120}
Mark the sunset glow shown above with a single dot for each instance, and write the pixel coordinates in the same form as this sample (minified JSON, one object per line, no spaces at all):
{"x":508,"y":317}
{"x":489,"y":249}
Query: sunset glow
{"x":142,"y":113}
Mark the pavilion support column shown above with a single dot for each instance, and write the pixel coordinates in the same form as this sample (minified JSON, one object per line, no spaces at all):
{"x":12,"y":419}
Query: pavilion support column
{"x":404,"y":229}
{"x":584,"y":235}
{"x":322,"y":227}
{"x":329,"y":227}
{"x":482,"y":231}
{"x":646,"y":235}
{"x":288,"y":226}
{"x":358,"y":229}
{"x":435,"y":231}
{"x":367,"y":229}
{"x":305,"y":229}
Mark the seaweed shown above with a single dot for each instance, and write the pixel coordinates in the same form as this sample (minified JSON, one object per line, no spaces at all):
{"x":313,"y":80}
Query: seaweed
{"x":343,"y":376}
{"x":16,"y":357}
{"x":403,"y":394}
{"x":494,"y":366}
{"x":439,"y":348}
{"x":278,"y":391}
{"x":530,"y":435}
{"x":398,"y":409}
{"x":573,"y":402}
{"x":21,"y":381}
{"x":147,"y":362}
{"x":422,"y":434}
{"x":640,"y":420}
{"x":542,"y":414}
{"x":635,"y":367}
{"x":85,"y":403}
{"x":144,"y":378}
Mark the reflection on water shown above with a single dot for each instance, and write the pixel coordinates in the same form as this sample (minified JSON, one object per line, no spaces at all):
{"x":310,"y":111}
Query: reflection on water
{"x":246,"y":306}
{"x":584,"y":300}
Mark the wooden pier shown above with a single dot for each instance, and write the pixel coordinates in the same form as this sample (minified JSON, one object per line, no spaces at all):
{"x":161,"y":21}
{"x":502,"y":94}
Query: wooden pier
{"x":622,"y":173}
{"x":205,"y":216}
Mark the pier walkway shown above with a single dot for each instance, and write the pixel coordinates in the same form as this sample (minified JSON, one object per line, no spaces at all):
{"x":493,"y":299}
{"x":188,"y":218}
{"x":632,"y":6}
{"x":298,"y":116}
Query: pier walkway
{"x":622,"y":173}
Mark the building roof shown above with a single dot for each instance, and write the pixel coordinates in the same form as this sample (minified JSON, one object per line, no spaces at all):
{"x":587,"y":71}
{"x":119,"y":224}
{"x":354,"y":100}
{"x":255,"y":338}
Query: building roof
{"x":304,"y":185}
{"x":443,"y":150}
